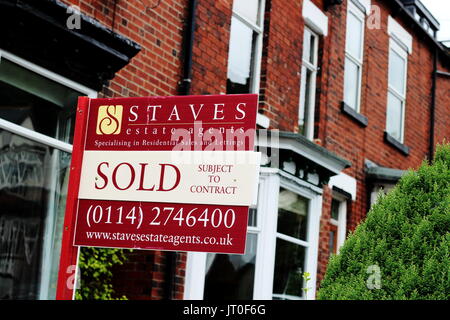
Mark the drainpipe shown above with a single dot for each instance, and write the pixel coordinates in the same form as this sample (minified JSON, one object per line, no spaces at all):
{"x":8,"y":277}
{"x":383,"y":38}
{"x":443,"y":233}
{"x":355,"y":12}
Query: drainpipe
{"x":433,"y":106}
{"x":184,"y":89}
{"x":185,"y":83}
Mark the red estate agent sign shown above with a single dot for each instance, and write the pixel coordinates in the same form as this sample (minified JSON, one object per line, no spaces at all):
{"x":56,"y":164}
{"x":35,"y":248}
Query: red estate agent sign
{"x":162,"y":173}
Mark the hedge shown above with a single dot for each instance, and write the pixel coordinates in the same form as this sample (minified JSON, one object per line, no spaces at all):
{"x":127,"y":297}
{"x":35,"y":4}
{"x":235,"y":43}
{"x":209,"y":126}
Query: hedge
{"x":401,"y":250}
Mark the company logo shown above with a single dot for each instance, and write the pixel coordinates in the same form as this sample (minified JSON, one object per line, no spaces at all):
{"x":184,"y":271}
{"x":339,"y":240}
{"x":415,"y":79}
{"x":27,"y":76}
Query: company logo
{"x":109,"y":119}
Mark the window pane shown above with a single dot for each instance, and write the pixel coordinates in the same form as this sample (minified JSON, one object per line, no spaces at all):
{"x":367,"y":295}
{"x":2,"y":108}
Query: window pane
{"x":231,"y":276}
{"x":34,"y":102}
{"x":252,"y":217}
{"x":354,"y":36}
{"x":292,"y":214}
{"x":247,"y":9}
{"x":309,"y":46}
{"x":289,"y":268}
{"x":333,"y":240}
{"x":33,"y":188}
{"x":394,"y":117}
{"x":240,"y":57}
{"x":351,"y":84}
{"x":306,"y":44}
{"x":397,"y":72}
{"x":335,"y":209}
{"x":312,"y":49}
{"x":307,"y":101}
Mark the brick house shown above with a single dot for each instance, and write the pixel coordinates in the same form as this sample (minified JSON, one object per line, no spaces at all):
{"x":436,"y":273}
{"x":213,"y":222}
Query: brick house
{"x":358,"y":91}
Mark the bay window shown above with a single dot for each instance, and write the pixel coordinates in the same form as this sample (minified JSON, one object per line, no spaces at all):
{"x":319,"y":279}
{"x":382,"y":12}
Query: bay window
{"x":282,"y":244}
{"x":37,"y":110}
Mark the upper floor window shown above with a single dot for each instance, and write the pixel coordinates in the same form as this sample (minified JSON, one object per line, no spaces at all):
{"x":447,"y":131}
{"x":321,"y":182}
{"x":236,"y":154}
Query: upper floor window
{"x":316,"y":25}
{"x":354,"y":49}
{"x":400,"y":45}
{"x":244,"y":53}
{"x":337,"y":224}
{"x":395,"y":114}
{"x":308,"y":83}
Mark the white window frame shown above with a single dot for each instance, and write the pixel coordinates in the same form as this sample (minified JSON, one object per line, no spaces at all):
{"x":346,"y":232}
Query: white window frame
{"x":378,"y":189}
{"x":313,"y":68}
{"x":315,"y":18}
{"x":341,"y":223}
{"x":257,"y":53}
{"x":355,"y":11}
{"x":30,"y":134}
{"x":312,"y":235}
{"x":270,"y":182}
{"x":47,"y":249}
{"x":316,"y":22}
{"x":196,"y":261}
{"x":397,"y":47}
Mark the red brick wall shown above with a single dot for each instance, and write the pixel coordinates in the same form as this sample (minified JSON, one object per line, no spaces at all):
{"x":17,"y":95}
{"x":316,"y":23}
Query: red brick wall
{"x":442,"y":116}
{"x":157,"y":69}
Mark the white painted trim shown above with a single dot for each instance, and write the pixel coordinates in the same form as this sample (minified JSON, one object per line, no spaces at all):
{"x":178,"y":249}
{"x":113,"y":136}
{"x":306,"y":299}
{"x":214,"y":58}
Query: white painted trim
{"x":293,"y":240}
{"x":53,"y":183}
{"x":300,"y":182}
{"x":35,"y":136}
{"x":315,"y":18}
{"x":268,"y":217}
{"x":285,"y":297}
{"x":313,"y":250}
{"x":396,"y":31}
{"x":366,"y":4}
{"x":290,"y":144}
{"x":314,"y":214}
{"x":195,"y":276}
{"x":344,"y":182}
{"x":262,"y":120}
{"x":342,"y":224}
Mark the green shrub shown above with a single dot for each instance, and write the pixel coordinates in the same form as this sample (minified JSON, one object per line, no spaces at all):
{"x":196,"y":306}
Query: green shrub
{"x":96,"y":273}
{"x":406,"y":236}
